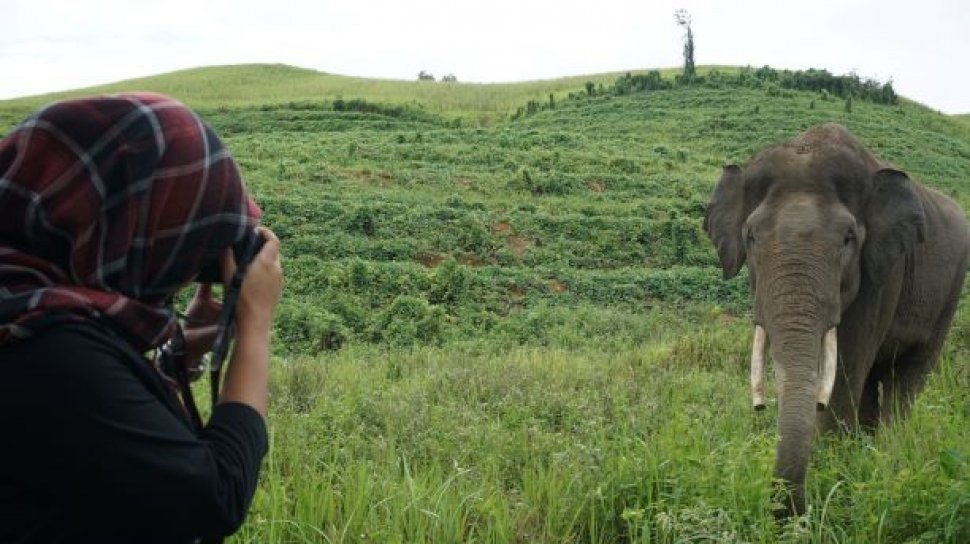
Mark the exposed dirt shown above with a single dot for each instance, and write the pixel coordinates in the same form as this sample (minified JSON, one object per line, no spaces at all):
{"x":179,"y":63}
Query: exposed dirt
{"x":557,"y":286}
{"x":501,"y":227}
{"x":468,"y":259}
{"x":520,"y":245}
{"x":429,"y":259}
{"x":516,"y":291}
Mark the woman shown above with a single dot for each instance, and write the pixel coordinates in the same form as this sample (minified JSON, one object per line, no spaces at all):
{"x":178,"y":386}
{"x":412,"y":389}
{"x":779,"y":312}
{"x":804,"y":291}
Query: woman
{"x":108,"y":207}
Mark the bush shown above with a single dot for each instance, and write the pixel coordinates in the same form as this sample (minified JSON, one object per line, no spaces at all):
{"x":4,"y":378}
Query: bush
{"x":363,"y":222}
{"x":304,"y":328}
{"x":821,"y":81}
{"x":546,"y":184}
{"x":410,"y":320}
{"x":450,"y":284}
{"x":775,"y":82}
{"x":397,"y":111}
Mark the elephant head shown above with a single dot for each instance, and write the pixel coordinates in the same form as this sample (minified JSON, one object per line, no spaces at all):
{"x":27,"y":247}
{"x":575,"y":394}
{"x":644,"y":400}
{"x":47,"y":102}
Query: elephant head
{"x":815,"y":219}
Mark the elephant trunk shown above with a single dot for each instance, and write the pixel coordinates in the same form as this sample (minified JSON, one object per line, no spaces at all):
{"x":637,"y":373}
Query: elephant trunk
{"x":797,"y":319}
{"x":797,"y":395}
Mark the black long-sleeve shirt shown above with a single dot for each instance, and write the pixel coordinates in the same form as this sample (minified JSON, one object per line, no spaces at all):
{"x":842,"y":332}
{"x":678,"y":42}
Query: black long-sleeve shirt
{"x":95,"y":448}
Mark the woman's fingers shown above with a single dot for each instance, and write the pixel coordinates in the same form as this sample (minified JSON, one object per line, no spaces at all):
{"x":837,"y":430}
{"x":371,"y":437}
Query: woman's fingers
{"x":262,"y":286}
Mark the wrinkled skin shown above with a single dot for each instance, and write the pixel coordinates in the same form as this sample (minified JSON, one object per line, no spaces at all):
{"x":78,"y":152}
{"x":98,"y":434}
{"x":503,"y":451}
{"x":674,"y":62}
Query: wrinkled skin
{"x":834,"y":237}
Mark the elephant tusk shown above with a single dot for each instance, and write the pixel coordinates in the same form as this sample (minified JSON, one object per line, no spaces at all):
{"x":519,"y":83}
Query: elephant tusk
{"x":758,"y":368}
{"x":830,"y":352}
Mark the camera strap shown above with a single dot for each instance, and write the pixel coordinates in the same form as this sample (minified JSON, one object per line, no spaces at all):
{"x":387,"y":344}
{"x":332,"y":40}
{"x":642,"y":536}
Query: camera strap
{"x":221,"y":345}
{"x":172,"y":361}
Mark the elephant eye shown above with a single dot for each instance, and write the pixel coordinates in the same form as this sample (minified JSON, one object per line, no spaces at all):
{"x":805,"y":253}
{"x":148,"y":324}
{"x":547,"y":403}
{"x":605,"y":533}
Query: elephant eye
{"x":749,"y":239}
{"x":849,"y":238}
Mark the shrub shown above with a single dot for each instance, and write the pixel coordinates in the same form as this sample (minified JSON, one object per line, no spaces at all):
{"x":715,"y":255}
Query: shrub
{"x":305,"y":328}
{"x":552,"y":183}
{"x":410,"y":320}
{"x":363,"y":222}
{"x":450,"y":283}
{"x":775,"y":82}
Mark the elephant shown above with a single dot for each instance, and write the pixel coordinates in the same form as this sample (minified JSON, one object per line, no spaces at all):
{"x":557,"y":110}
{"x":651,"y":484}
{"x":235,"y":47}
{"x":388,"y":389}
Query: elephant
{"x":855,"y":271}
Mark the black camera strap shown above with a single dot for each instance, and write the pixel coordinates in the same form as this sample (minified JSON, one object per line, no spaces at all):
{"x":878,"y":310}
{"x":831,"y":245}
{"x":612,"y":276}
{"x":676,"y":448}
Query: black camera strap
{"x":172,"y":361}
{"x":224,"y":334}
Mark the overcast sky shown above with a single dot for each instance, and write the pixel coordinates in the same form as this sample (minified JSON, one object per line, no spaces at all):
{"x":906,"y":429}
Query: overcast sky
{"x":51,"y":45}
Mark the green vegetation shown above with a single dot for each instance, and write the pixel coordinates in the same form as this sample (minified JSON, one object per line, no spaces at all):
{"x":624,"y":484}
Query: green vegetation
{"x":275,"y":84}
{"x":502,"y":330}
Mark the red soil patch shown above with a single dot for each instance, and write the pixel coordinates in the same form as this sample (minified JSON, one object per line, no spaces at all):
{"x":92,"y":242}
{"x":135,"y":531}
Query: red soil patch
{"x":429,"y":259}
{"x":557,"y":286}
{"x":520,"y":245}
{"x":470,"y":260}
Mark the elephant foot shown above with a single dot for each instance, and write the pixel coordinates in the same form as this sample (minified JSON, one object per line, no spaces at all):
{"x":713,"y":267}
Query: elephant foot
{"x":789,"y":501}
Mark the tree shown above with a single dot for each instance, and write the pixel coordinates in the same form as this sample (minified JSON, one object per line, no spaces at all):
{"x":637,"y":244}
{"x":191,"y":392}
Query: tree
{"x":425,"y":76}
{"x":683,"y":19}
{"x":449,"y":78}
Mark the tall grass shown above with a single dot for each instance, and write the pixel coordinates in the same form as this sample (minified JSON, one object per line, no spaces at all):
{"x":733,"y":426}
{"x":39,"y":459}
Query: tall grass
{"x":652,"y":444}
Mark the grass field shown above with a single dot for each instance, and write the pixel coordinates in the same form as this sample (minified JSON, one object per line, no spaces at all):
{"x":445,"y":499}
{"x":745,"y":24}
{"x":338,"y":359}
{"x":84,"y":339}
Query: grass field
{"x":515,"y":331}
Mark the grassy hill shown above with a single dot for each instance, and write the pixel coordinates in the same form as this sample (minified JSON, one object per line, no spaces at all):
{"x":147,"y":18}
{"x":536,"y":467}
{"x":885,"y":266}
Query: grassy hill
{"x":264,"y":84}
{"x":514,"y":330}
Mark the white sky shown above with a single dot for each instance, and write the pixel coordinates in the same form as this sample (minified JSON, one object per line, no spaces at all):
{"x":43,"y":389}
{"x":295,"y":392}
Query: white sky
{"x":50,"y":45}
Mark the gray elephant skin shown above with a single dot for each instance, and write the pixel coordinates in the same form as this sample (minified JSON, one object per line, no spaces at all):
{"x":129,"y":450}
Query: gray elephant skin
{"x":840,"y":246}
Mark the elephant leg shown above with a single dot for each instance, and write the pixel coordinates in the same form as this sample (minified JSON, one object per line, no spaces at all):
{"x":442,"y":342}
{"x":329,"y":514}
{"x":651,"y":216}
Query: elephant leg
{"x":869,"y":404}
{"x":905,"y":376}
{"x":904,"y":379}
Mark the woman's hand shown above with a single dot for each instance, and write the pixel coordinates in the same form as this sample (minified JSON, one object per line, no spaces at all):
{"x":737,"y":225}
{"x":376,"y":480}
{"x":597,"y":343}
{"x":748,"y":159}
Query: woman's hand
{"x":261,"y":287}
{"x":247,"y":377}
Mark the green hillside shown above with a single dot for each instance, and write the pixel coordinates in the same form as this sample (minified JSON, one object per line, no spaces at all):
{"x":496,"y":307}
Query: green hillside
{"x":515,"y":331}
{"x":262,"y":84}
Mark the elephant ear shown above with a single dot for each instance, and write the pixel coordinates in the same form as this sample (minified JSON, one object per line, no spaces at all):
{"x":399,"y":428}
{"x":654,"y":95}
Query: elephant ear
{"x":895,"y":222}
{"x":722,"y":222}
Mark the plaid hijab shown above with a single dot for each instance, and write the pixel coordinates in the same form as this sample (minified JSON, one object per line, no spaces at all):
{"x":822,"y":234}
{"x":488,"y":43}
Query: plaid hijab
{"x":108,"y":206}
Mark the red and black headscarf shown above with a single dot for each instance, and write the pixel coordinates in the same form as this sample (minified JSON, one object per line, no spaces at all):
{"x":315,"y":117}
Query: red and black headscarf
{"x":108,"y":206}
